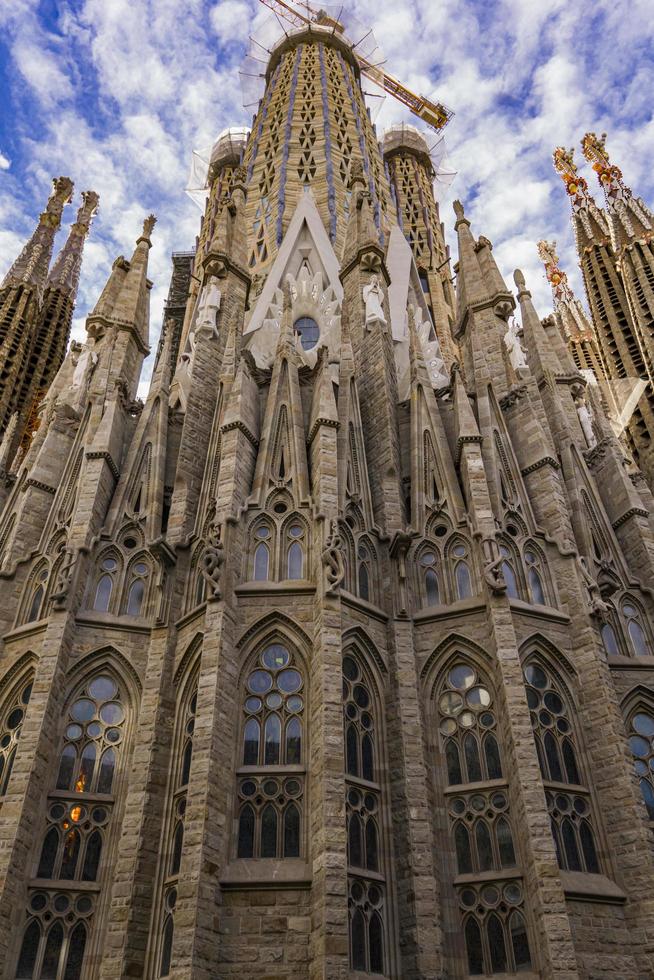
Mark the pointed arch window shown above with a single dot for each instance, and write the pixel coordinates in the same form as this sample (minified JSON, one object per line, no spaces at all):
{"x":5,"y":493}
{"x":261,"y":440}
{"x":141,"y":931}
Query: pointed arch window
{"x":535,"y":577}
{"x":430,"y":577}
{"x":477,"y":803}
{"x":364,"y":572}
{"x":11,"y":724}
{"x":570,"y":810}
{"x":35,"y":608}
{"x":137,"y":587}
{"x":638,"y":641}
{"x":105,"y":584}
{"x":363,"y":807}
{"x":462,"y":578}
{"x":641,"y":743}
{"x":261,"y":555}
{"x":610,"y":640}
{"x":508,"y":571}
{"x":295,"y":551}
{"x":272,"y":774}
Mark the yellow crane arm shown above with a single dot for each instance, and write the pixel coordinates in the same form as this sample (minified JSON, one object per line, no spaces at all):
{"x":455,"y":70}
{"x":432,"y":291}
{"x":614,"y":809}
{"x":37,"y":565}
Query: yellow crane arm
{"x":435,"y":114}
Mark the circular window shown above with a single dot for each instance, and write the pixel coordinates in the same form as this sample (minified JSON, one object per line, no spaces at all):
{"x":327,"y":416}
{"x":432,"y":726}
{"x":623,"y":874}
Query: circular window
{"x":308,"y":332}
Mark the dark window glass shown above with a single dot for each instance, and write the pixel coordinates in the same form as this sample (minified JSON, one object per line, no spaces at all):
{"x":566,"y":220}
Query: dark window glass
{"x":70,"y":855}
{"x":570,"y":762}
{"x":376,"y":944}
{"x":492,"y":753}
{"x":367,"y":764}
{"x":186,"y":762}
{"x":648,"y":796}
{"x":588,"y":847}
{"x":496,"y":944}
{"x":86,"y":768}
{"x":251,"y":743}
{"x":246,"y":833}
{"x":557,"y":843}
{"x":541,"y":757}
{"x":261,"y":560}
{"x":609,"y":640}
{"x":48,"y":854}
{"x":570,"y":846}
{"x":291,"y":831}
{"x":354,"y":842}
{"x":637,"y":637}
{"x":474,"y":948}
{"x":308,"y":331}
{"x":295,"y":560}
{"x":536,"y":586}
{"x":293,"y":742}
{"x":28,"y":951}
{"x":553,"y":761}
{"x":463,"y":853}
{"x":76,"y":946}
{"x":167,"y":948}
{"x":107,"y":769}
{"x":272,"y":740}
{"x":509,"y":578}
{"x":433,"y":591}
{"x":364,"y":583}
{"x":103,"y":594}
{"x":66,"y":767}
{"x":484,"y":848}
{"x":52,"y":952}
{"x":473,"y":764}
{"x":372,"y":857}
{"x":92,"y":857}
{"x":505,"y":843}
{"x":358,"y":943}
{"x":453,"y":763}
{"x":35,"y":605}
{"x":352,"y":751}
{"x":176,"y":856}
{"x":135,"y":598}
{"x":463,"y":583}
{"x":519,"y":941}
{"x":269,"y":832}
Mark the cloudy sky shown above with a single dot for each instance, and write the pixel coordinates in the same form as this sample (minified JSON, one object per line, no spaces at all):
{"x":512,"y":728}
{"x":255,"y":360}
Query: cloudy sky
{"x":117,"y":93}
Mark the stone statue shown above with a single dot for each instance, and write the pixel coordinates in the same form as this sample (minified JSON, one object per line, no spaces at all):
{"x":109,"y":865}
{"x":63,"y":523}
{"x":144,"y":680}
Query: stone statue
{"x":493,"y":575}
{"x":64,"y":579}
{"x":517,"y":354}
{"x":597,"y":605}
{"x":213,"y":560}
{"x":373,"y":297}
{"x":208,"y":307}
{"x":332,"y":560}
{"x":585,"y":419}
{"x":84,"y":367}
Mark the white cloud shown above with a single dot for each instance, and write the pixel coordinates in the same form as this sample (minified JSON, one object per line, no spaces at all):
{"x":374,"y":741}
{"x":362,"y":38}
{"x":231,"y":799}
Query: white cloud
{"x":5,"y":162}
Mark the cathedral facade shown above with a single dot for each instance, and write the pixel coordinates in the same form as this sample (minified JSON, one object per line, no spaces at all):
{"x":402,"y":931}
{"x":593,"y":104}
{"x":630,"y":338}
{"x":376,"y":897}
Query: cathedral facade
{"x":335,"y":657}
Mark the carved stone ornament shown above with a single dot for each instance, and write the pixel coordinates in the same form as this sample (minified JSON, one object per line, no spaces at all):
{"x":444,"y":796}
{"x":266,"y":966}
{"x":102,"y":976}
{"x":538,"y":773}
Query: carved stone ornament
{"x":64,"y":579}
{"x":371,"y":262}
{"x":373,"y":297}
{"x":492,"y":571}
{"x":597,"y":606}
{"x":213,"y":560}
{"x":332,"y":560}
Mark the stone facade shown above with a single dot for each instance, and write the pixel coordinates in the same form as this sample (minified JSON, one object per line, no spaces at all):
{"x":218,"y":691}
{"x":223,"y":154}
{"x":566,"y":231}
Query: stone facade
{"x":334,"y":658}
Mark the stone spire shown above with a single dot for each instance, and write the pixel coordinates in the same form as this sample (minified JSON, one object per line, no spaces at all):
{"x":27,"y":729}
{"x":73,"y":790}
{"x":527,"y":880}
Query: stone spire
{"x":132,"y":303}
{"x":65,"y":270}
{"x":31,"y":266}
{"x":630,"y":217}
{"x":590,"y":222}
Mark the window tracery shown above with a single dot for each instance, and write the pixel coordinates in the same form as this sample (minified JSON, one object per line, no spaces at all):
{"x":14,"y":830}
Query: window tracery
{"x":78,"y":817}
{"x":272,"y":765}
{"x":35,"y":594}
{"x":363,"y":804}
{"x":641,"y":743}
{"x":11,"y":724}
{"x":554,"y":736}
{"x":477,"y":800}
{"x":534,"y":563}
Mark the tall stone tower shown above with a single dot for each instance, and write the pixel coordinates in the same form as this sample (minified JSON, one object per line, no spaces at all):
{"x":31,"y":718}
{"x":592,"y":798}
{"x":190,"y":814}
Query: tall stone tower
{"x":36,"y":312}
{"x":334,"y":659}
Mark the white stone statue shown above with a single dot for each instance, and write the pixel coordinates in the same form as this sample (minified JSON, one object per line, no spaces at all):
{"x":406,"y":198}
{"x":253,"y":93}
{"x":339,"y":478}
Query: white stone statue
{"x":586,"y":421}
{"x":517,"y":354}
{"x":84,"y":367}
{"x":208,"y":307}
{"x":373,"y":297}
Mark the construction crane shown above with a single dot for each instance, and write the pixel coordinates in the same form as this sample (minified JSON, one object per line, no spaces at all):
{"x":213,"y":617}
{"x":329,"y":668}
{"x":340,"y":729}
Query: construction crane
{"x":435,"y":114}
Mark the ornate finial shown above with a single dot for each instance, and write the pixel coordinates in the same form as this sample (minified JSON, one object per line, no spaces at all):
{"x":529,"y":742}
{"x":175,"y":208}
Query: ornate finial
{"x":594,"y":149}
{"x":565,"y":166}
{"x":89,"y":207}
{"x":62,"y":193}
{"x":458,"y":210}
{"x":619,"y":198}
{"x":148,"y":225}
{"x":519,"y":280}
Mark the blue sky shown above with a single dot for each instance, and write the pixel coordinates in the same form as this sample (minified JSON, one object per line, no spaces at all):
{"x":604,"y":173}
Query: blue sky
{"x":117,"y":93}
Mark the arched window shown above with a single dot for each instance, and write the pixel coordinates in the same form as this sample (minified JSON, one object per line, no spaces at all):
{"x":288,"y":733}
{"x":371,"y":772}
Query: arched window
{"x":428,"y":564}
{"x":136,"y":591}
{"x":635,"y":631}
{"x":535,"y":577}
{"x":462,"y":578}
{"x":261,"y":554}
{"x":11,"y":724}
{"x":35,"y":608}
{"x":641,"y":743}
{"x":363,"y":803}
{"x":105,"y":585}
{"x":477,"y":802}
{"x":364,"y":572}
{"x":509,"y":573}
{"x":271,"y":777}
{"x":558,"y":756}
{"x":295,"y":551}
{"x":610,"y":640}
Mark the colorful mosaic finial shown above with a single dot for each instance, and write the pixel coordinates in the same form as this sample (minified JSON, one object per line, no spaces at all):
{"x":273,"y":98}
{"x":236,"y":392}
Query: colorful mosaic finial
{"x":619,"y":199}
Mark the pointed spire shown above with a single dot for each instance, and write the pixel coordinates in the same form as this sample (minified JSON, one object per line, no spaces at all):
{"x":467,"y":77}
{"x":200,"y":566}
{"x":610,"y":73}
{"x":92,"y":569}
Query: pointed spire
{"x":586,"y":215}
{"x":575,"y":325}
{"x":132,"y":303}
{"x":630,"y":216}
{"x":540,"y":354}
{"x":467,"y":429}
{"x":31,"y":266}
{"x":469,"y":280}
{"x":361,"y":232}
{"x":64,"y":274}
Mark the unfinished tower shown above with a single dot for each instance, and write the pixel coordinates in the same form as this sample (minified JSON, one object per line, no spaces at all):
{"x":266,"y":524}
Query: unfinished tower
{"x":334,"y":658}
